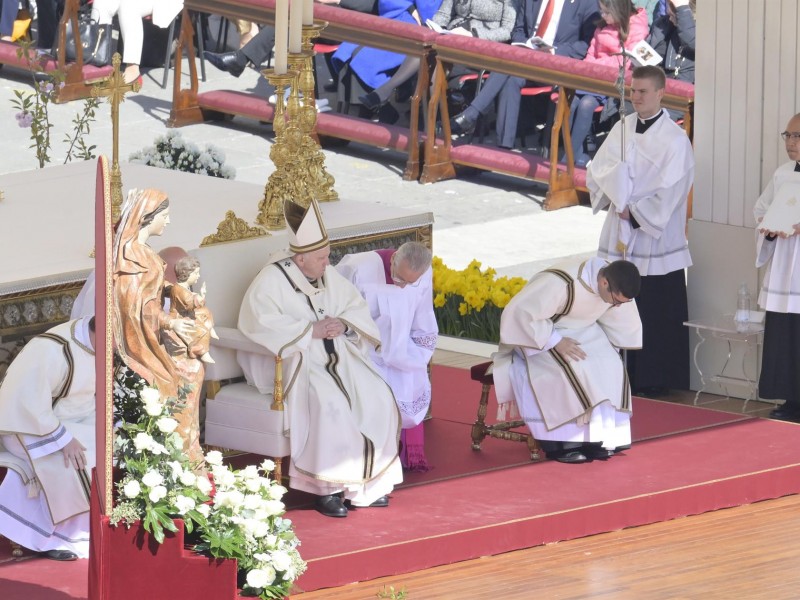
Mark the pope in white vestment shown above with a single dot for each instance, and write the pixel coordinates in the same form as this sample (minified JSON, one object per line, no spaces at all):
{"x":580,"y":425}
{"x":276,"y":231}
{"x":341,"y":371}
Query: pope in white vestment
{"x":646,"y":195}
{"x":341,"y":417}
{"x":779,"y":256}
{"x":573,"y":396}
{"x":47,"y":400}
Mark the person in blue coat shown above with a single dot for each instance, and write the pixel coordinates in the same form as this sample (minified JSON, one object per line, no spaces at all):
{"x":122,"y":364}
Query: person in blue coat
{"x":375,"y":67}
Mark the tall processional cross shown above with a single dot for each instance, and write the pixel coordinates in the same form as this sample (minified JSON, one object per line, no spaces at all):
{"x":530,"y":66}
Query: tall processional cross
{"x":114,"y":88}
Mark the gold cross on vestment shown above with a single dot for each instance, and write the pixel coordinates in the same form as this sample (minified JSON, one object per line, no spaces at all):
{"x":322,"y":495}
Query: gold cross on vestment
{"x":114,"y":88}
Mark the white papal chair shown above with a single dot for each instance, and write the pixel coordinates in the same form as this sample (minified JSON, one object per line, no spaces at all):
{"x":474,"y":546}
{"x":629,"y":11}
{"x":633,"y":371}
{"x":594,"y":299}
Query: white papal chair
{"x":238,"y":416}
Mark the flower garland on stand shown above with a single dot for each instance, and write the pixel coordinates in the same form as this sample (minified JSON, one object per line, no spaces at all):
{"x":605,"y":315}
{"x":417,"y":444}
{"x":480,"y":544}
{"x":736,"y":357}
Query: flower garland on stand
{"x":240,"y":516}
{"x":171,"y":151}
{"x":468,"y":303}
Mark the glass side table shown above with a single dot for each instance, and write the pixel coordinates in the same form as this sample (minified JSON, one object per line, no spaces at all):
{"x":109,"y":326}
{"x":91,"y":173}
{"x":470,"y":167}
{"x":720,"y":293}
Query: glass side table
{"x":725,"y":328}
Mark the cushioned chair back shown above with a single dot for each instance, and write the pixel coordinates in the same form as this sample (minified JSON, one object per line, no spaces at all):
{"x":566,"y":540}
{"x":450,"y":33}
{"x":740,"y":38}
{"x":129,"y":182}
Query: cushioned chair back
{"x":228,"y":270}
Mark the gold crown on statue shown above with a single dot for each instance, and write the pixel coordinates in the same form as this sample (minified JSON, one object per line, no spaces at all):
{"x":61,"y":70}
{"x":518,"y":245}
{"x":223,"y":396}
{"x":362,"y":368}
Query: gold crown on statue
{"x":306,"y":230}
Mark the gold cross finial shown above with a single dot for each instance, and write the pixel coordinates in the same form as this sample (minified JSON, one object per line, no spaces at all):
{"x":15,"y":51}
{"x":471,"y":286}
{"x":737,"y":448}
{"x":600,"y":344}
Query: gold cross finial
{"x":114,"y":88}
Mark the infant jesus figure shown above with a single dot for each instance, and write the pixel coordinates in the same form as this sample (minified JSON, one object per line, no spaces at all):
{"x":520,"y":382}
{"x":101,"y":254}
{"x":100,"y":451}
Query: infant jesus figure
{"x":186,"y":304}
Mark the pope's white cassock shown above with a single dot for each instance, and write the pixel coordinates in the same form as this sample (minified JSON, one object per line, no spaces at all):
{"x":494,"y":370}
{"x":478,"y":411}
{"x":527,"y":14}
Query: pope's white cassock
{"x":341,"y":416}
{"x":408,"y":331}
{"x":46,"y":399}
{"x":566,"y":400}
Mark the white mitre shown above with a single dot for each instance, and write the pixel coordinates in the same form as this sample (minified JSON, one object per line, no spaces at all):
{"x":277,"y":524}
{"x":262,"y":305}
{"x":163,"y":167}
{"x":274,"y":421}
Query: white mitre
{"x":306,"y":230}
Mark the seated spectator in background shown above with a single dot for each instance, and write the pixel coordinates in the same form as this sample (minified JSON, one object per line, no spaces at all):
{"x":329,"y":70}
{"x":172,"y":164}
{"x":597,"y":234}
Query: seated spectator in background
{"x":558,"y":365}
{"x":621,"y":24}
{"x":47,"y":420}
{"x":257,"y":50}
{"x":568,"y":32}
{"x":398,"y":287}
{"x":48,"y":13}
{"x":130,"y":14}
{"x":382,"y":70}
{"x":485,"y":19}
{"x":673,"y":37}
{"x":8,"y":14}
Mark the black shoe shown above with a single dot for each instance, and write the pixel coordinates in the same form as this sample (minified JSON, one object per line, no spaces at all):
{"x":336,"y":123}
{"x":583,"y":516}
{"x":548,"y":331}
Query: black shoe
{"x":571,"y":457}
{"x":381,"y":502}
{"x":372,"y":101}
{"x":62,"y":555}
{"x":785,"y":413}
{"x":461,"y":124}
{"x":227,"y":61}
{"x":330,"y":506}
{"x":619,"y":449}
{"x":595,"y":452}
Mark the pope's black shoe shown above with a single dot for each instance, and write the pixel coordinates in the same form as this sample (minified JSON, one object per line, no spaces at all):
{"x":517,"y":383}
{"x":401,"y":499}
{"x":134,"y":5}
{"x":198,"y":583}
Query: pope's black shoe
{"x":461,"y":124}
{"x":62,"y":555}
{"x":330,"y":506}
{"x":381,"y":502}
{"x":596,"y":452}
{"x":227,"y":61}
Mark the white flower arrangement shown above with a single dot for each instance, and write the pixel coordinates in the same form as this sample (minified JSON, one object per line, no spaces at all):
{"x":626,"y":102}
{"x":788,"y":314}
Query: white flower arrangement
{"x":240,"y":516}
{"x":171,"y":151}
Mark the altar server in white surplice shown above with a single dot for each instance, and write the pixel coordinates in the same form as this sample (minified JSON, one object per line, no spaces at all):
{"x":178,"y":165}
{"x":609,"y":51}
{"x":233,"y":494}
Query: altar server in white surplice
{"x":341,"y":416}
{"x":779,"y":254}
{"x":646,"y":197}
{"x":398,"y":287}
{"x":47,"y":416}
{"x":559,"y":363}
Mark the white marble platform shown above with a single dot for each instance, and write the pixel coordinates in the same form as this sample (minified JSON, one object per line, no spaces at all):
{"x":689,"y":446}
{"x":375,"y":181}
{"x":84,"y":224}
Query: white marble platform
{"x":47,"y":233}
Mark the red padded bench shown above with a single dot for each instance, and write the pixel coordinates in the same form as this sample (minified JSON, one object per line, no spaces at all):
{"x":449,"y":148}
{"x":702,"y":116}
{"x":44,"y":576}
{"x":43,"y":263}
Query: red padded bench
{"x":76,"y":75}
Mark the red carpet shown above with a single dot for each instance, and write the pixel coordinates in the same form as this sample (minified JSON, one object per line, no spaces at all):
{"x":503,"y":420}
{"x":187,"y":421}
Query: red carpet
{"x":685,"y":460}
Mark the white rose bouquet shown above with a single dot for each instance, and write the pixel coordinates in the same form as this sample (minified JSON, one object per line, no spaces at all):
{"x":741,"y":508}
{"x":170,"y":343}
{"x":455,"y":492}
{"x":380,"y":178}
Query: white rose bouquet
{"x":246,"y":522}
{"x":171,"y":151}
{"x":244,"y":518}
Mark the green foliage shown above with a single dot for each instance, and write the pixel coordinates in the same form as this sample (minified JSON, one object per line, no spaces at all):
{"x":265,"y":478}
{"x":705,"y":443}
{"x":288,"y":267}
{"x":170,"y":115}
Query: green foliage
{"x":34,"y":112}
{"x":392,"y":594}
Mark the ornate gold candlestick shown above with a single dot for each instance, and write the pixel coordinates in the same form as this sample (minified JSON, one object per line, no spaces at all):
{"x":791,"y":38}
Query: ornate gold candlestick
{"x":286,"y":182}
{"x":319,"y":180}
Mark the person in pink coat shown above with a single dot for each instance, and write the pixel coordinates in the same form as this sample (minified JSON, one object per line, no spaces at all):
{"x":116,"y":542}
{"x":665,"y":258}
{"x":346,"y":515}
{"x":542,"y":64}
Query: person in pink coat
{"x":621,"y":23}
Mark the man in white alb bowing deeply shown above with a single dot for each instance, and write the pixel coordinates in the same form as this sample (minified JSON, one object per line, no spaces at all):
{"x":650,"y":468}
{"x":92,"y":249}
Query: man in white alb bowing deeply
{"x":47,"y":420}
{"x":646,"y":195}
{"x":341,"y":417}
{"x":559,"y":363}
{"x":398,"y":287}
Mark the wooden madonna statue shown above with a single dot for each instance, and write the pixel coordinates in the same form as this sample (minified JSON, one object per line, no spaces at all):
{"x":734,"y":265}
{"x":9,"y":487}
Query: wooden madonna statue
{"x":129,"y":292}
